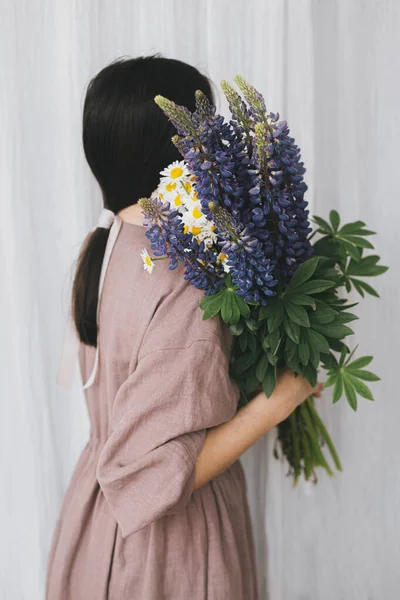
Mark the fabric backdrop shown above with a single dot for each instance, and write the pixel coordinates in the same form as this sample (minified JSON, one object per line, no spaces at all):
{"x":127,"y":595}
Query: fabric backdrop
{"x":331,"y":69}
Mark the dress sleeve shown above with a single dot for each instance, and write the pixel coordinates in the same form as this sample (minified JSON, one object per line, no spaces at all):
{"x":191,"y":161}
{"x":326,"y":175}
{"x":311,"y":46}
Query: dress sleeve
{"x":160,"y":415}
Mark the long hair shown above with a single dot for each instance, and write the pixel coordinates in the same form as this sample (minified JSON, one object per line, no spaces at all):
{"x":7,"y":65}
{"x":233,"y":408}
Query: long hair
{"x":127,"y":142}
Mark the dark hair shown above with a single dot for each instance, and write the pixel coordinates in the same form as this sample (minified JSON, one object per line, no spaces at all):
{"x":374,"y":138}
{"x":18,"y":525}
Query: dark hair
{"x":127,"y":142}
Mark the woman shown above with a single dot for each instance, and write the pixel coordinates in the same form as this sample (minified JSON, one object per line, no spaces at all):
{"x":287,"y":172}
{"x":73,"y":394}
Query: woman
{"x":157,"y":506}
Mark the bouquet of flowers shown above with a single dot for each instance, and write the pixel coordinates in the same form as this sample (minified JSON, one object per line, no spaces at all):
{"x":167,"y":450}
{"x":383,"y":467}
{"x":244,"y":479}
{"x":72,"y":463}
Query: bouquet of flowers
{"x":233,"y":211}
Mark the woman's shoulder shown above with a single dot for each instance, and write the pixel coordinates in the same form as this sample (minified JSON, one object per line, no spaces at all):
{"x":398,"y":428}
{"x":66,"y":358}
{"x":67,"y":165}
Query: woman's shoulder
{"x":178,"y":321}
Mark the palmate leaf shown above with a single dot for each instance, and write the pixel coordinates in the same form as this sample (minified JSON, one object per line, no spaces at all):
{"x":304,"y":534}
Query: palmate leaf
{"x":347,"y":377}
{"x":366,"y":267}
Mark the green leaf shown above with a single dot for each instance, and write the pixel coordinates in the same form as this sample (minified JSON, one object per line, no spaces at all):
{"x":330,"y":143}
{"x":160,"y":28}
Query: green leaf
{"x":252,"y":342}
{"x":343,"y":355}
{"x":346,"y":317}
{"x":323,"y":224}
{"x":252,"y":324}
{"x":361,"y":374}
{"x":244,"y":362}
{"x":359,"y":242}
{"x":235,"y":309}
{"x":269,"y":381}
{"x":351,"y":249}
{"x":366,"y":267}
{"x":303,"y":273}
{"x":334,"y":344}
{"x":243,"y":340}
{"x":329,"y":361}
{"x":262,"y":367}
{"x":333,"y":330}
{"x":304,"y":351}
{"x":350,"y":228}
{"x":331,"y":380}
{"x":360,"y":387}
{"x":362,"y":285}
{"x":227,"y":307}
{"x":297,"y":313}
{"x":357,"y":285}
{"x":303,"y":300}
{"x":349,"y":392}
{"x":237,"y":328}
{"x":361,"y":362}
{"x":263,"y":313}
{"x":212,"y":305}
{"x":242,"y":305}
{"x":314,"y":357}
{"x":290,"y":349}
{"x":334,"y":219}
{"x":338,"y":389}
{"x":327,"y":246}
{"x":317,"y":341}
{"x":323,"y":313}
{"x":292,"y":329}
{"x":274,"y":338}
{"x":310,"y":374}
{"x":276,"y":314}
{"x":315,"y":286}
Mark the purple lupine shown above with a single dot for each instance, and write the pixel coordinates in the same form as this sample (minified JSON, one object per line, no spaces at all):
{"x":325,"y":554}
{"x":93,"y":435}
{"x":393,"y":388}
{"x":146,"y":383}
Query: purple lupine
{"x":251,"y":270}
{"x":167,"y":238}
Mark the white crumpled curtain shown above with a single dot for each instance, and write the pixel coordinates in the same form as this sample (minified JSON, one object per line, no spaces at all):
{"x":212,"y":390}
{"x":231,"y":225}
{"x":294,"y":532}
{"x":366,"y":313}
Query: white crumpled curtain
{"x":332,"y":70}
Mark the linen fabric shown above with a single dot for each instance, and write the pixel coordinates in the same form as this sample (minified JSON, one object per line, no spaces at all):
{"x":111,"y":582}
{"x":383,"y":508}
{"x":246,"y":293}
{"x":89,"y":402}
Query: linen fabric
{"x":131,"y":526}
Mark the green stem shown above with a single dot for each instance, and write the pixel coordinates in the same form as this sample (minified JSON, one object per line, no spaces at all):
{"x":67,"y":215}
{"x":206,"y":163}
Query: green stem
{"x":296,"y":448}
{"x":313,"y":435}
{"x":320,"y":425}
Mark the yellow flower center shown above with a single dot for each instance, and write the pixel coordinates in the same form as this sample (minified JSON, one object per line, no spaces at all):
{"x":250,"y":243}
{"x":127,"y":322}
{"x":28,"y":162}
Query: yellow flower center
{"x":212,"y":227}
{"x":194,"y":196}
{"x":148,"y":260}
{"x":185,"y":228}
{"x":177,"y":200}
{"x":188,"y":187}
{"x":222,"y":256}
{"x":176,"y":172}
{"x":196,"y":230}
{"x":196,"y":213}
{"x":170,"y":186}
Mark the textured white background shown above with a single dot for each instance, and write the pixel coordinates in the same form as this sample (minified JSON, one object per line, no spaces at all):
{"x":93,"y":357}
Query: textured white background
{"x":332,"y":70}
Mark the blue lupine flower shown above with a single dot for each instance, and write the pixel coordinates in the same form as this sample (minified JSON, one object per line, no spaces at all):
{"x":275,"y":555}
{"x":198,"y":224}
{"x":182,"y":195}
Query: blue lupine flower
{"x":167,"y":238}
{"x":249,"y":180}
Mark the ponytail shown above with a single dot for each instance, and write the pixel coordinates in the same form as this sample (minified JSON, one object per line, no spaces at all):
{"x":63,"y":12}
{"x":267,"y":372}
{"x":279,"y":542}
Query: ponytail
{"x":85,"y":290}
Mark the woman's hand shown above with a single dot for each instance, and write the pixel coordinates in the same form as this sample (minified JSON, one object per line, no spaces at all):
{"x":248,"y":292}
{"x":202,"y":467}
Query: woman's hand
{"x":291,"y":390}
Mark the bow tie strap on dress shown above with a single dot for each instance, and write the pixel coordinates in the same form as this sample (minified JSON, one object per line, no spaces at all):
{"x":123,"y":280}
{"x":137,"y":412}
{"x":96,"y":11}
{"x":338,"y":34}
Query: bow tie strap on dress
{"x":107,"y":220}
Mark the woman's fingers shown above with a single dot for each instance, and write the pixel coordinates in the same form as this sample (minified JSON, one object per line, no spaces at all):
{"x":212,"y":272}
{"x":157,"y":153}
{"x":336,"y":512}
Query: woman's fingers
{"x":318,"y":389}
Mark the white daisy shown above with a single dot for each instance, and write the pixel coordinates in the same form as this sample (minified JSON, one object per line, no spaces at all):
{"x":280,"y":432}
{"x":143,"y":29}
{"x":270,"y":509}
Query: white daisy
{"x":223,"y":259}
{"x":175,"y":172}
{"x":148,"y":264}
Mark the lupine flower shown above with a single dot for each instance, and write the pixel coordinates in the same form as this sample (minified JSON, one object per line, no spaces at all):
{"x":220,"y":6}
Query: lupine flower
{"x":169,"y":239}
{"x":246,"y":183}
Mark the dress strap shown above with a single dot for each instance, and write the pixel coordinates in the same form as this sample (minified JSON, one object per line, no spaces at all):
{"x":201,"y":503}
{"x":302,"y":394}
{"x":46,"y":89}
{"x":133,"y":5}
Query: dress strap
{"x":71,"y":342}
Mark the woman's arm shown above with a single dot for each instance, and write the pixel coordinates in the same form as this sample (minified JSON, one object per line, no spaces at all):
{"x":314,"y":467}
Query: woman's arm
{"x":224,"y":444}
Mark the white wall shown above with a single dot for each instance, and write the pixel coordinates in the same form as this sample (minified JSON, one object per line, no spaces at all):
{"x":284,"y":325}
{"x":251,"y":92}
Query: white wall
{"x":332,"y":70}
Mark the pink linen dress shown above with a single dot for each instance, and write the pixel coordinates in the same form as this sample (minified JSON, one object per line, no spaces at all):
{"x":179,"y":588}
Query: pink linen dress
{"x":130,"y":526}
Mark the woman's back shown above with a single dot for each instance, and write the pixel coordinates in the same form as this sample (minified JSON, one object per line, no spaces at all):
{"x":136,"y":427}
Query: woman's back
{"x":130,"y":526}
